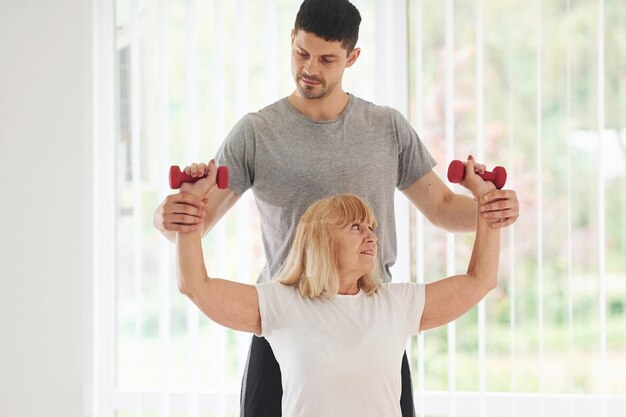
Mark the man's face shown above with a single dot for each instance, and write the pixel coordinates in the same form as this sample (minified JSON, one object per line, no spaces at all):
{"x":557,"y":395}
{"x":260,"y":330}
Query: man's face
{"x":317,"y":65}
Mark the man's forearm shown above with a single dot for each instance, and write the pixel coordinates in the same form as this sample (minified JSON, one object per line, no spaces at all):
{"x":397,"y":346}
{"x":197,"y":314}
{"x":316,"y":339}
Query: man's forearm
{"x":458,"y":214}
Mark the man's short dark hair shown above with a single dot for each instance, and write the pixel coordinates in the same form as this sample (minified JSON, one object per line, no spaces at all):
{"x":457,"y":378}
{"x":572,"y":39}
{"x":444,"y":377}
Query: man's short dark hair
{"x":331,"y":20}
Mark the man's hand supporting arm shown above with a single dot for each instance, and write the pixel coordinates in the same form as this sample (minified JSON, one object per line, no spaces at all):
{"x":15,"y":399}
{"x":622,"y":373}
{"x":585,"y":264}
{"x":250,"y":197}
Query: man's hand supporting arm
{"x":185,"y":212}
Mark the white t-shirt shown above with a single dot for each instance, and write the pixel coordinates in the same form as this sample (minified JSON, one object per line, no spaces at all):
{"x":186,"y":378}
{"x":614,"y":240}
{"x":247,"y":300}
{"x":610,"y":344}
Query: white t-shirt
{"x":340,"y":356}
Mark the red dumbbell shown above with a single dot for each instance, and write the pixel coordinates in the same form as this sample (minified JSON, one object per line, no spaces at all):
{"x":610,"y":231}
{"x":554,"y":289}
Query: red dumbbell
{"x":177,"y":177}
{"x":456,"y":172}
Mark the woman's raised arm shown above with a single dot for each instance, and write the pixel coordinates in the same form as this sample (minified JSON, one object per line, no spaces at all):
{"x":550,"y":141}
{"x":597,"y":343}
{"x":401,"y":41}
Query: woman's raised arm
{"x":231,"y":304}
{"x":449,"y":298}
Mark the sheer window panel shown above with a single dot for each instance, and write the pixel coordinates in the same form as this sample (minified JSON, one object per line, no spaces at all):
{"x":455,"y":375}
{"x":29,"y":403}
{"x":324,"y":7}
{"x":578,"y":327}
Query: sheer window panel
{"x":430,"y":79}
{"x":614,"y":157}
{"x":551,"y":326}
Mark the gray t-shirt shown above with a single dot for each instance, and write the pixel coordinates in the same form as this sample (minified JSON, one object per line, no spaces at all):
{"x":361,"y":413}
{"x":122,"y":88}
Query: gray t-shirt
{"x":290,"y":162}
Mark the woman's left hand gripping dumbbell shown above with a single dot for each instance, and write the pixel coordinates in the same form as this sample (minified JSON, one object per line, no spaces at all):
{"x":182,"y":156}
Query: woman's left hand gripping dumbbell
{"x":207,"y":180}
{"x":185,"y":211}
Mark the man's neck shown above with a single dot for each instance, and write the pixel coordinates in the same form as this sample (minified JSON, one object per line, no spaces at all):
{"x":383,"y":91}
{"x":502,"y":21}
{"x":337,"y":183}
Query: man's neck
{"x":321,"y":109}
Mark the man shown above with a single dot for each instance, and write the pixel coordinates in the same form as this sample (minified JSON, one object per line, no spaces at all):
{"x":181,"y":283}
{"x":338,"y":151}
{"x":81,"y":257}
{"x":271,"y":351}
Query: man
{"x":317,"y":142}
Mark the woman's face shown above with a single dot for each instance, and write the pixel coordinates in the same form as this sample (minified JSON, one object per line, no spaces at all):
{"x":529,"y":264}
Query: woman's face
{"x":355,"y":249}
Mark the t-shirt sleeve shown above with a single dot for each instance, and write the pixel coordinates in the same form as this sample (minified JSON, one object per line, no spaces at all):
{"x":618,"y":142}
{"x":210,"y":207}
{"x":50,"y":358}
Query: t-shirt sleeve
{"x":414,"y":160}
{"x":274,"y":298}
{"x":237,"y":152}
{"x":411,"y":297}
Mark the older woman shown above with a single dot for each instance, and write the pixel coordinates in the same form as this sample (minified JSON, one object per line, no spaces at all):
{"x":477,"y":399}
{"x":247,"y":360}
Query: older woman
{"x":338,"y":333}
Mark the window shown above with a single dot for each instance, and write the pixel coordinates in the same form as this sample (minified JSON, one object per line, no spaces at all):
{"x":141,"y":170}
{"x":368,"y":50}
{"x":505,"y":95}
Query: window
{"x":536,"y":87}
{"x":525,"y":85}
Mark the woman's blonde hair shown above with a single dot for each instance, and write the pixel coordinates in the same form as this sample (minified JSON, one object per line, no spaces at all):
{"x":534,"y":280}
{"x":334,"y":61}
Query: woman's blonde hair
{"x":311,"y":263}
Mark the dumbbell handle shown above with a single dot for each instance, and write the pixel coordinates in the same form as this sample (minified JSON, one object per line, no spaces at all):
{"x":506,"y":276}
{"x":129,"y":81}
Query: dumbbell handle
{"x":456,"y":172}
{"x":177,"y":177}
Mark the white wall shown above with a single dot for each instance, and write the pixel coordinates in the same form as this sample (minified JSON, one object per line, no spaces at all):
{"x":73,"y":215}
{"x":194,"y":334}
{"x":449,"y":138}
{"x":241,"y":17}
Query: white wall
{"x":45,"y":207}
